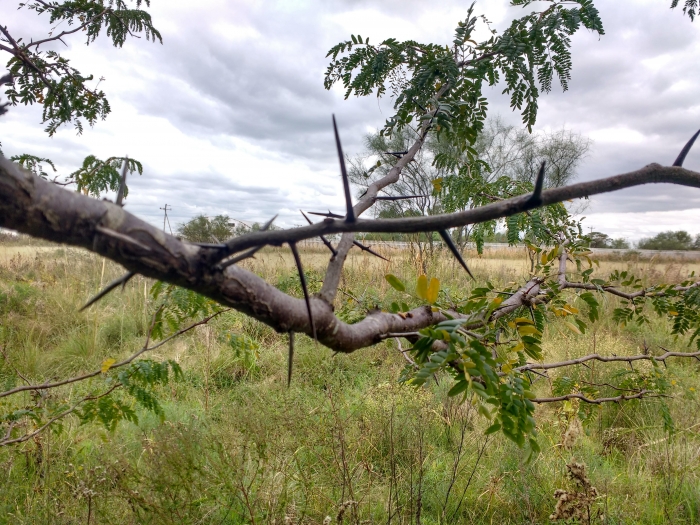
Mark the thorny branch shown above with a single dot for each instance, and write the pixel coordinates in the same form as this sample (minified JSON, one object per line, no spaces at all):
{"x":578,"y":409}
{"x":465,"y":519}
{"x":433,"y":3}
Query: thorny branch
{"x":39,"y":208}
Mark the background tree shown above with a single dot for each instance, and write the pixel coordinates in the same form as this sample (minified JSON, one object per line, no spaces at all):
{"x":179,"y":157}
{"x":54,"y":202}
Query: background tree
{"x":508,"y":160}
{"x":670,"y":240}
{"x":603,"y":240}
{"x":204,"y":229}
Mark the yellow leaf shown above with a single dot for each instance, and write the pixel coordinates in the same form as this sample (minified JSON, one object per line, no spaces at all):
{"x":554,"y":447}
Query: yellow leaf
{"x":528,"y":329}
{"x":422,"y":287}
{"x":572,"y":327}
{"x":672,"y":312}
{"x":543,"y":259}
{"x":523,"y":320}
{"x":571,"y":309}
{"x":496,"y":301}
{"x":506,"y":368}
{"x":518,"y":347}
{"x":433,"y":289}
{"x":437,"y":184}
{"x":107,"y":364}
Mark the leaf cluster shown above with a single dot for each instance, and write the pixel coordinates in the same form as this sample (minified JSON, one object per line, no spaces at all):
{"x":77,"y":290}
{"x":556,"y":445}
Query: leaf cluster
{"x":442,"y":86}
{"x":47,"y":77}
{"x":138,"y":381}
{"x":175,"y":305}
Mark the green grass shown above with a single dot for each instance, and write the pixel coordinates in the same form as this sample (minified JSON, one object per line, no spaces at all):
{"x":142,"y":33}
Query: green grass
{"x":237,"y":446}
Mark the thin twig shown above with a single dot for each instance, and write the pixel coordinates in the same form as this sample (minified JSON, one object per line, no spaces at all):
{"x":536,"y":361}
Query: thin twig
{"x":144,"y":349}
{"x":63,"y":414}
{"x":598,"y":401}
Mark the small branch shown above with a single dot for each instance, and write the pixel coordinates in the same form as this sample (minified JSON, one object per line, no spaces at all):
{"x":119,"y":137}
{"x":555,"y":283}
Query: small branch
{"x":605,"y":359}
{"x":598,"y":401}
{"x":146,"y":348}
{"x":65,"y":33}
{"x":7,"y":360}
{"x":51,"y":421}
{"x":653,"y":173}
{"x":405,"y":355}
{"x":400,"y":197}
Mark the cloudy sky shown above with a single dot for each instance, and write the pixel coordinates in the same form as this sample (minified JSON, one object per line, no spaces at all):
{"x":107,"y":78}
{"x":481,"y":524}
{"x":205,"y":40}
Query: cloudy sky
{"x":230,"y":115}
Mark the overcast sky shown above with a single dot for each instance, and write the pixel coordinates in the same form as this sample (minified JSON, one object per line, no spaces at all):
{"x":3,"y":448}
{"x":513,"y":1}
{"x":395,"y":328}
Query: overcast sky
{"x":230,"y":115}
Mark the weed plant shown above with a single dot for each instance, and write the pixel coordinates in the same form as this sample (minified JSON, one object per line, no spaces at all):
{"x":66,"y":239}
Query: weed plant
{"x":345,"y":443}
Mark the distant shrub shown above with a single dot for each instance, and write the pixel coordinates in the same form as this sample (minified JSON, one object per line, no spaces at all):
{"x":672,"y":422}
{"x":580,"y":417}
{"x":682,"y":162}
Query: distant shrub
{"x":670,"y":240}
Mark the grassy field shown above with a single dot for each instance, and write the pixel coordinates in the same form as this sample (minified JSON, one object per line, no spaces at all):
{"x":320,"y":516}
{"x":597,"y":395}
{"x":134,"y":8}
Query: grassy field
{"x":345,"y":443}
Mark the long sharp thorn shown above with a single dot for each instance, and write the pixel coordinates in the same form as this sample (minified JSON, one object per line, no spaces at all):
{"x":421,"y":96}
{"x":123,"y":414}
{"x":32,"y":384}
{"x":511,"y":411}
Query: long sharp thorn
{"x":267,"y":225}
{"x":325,"y":241}
{"x":305,"y":289}
{"x":539,"y":183}
{"x":350,"y":217}
{"x":368,"y":249}
{"x":111,"y":286}
{"x":238,"y":258}
{"x":122,"y":183}
{"x":686,"y":149}
{"x":327,"y":214}
{"x":290,"y":358}
{"x":451,"y":245}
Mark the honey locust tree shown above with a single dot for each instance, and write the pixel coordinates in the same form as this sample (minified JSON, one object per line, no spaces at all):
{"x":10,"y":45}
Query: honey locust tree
{"x":40,"y":73}
{"x":488,"y":341}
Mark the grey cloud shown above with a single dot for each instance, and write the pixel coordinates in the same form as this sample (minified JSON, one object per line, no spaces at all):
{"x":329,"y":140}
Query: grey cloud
{"x":268,"y":90}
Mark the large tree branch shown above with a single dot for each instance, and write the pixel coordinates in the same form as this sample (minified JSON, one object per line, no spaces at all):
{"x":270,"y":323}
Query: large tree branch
{"x":651,"y":174}
{"x":36,"y":207}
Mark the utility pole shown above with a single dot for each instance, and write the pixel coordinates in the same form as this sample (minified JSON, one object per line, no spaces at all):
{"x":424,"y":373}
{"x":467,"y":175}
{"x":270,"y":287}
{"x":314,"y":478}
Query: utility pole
{"x":165,"y":217}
